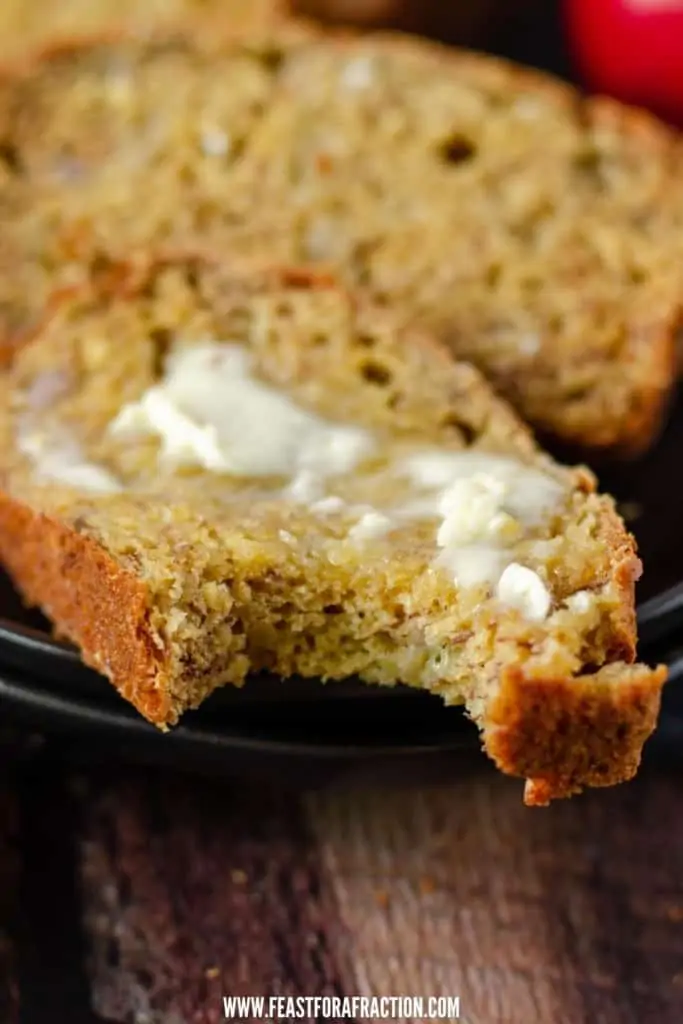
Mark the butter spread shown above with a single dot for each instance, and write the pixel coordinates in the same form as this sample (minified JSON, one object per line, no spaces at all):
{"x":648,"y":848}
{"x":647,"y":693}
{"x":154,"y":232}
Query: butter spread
{"x":328,"y":506}
{"x":372,"y":524}
{"x":209,"y":411}
{"x":307,"y":488}
{"x":527,"y":493}
{"x":484,"y":504}
{"x":472,"y":512}
{"x":474,"y":564}
{"x":59,"y":458}
{"x":580,"y":602}
{"x":522,"y":588}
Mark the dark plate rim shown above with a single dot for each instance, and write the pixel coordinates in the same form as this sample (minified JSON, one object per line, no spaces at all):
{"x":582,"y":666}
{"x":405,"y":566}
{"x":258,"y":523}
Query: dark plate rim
{"x":199,"y":733}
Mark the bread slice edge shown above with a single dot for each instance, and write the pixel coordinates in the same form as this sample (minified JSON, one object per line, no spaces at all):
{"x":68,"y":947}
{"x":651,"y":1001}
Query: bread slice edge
{"x":559,"y":733}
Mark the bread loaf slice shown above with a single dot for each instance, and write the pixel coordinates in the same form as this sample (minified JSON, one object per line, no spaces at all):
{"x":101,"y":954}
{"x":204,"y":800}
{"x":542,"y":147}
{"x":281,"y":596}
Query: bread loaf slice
{"x":209,"y":471}
{"x":26,"y":25}
{"x":538,"y":233}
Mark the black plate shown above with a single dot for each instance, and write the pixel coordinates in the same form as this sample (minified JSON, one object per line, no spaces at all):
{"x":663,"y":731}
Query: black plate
{"x":43,"y":683}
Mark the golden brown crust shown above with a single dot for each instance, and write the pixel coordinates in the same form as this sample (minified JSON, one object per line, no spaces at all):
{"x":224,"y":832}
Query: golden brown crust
{"x":564,"y":734}
{"x":626,"y":569}
{"x":25,"y":40}
{"x":635,"y":433}
{"x":286,"y":29}
{"x":95,"y":601}
{"x":561,"y":734}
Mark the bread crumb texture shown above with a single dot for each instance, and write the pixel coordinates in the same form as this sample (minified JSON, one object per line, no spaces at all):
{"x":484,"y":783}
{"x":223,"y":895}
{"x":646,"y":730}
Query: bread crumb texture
{"x":209,"y":471}
{"x":540,"y":234}
{"x":28,"y":25}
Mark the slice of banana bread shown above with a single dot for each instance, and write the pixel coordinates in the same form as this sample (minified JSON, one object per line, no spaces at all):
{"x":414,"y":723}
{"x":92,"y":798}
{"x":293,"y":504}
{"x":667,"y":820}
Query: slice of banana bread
{"x":211,"y":471}
{"x":538,"y":233}
{"x":28,"y":24}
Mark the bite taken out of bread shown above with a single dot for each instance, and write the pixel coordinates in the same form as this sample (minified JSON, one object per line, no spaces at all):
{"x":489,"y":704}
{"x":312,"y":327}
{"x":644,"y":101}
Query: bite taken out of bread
{"x":211,"y":470}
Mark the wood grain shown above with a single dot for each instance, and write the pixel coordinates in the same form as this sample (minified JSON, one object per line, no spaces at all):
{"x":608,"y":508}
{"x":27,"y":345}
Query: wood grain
{"x":425,"y":880}
{"x":196,"y":891}
{"x":559,"y":916}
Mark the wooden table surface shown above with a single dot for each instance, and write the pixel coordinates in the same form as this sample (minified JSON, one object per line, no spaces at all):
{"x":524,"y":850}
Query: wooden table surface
{"x":133,"y":895}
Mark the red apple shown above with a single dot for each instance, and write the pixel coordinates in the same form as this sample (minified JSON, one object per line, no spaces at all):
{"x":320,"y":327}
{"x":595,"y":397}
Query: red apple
{"x":631,"y":49}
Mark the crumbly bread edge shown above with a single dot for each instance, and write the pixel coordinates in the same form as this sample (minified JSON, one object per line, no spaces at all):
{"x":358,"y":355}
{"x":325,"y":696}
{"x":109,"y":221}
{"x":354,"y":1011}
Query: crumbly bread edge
{"x":203,"y":32}
{"x":566,"y":733}
{"x":559,"y":733}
